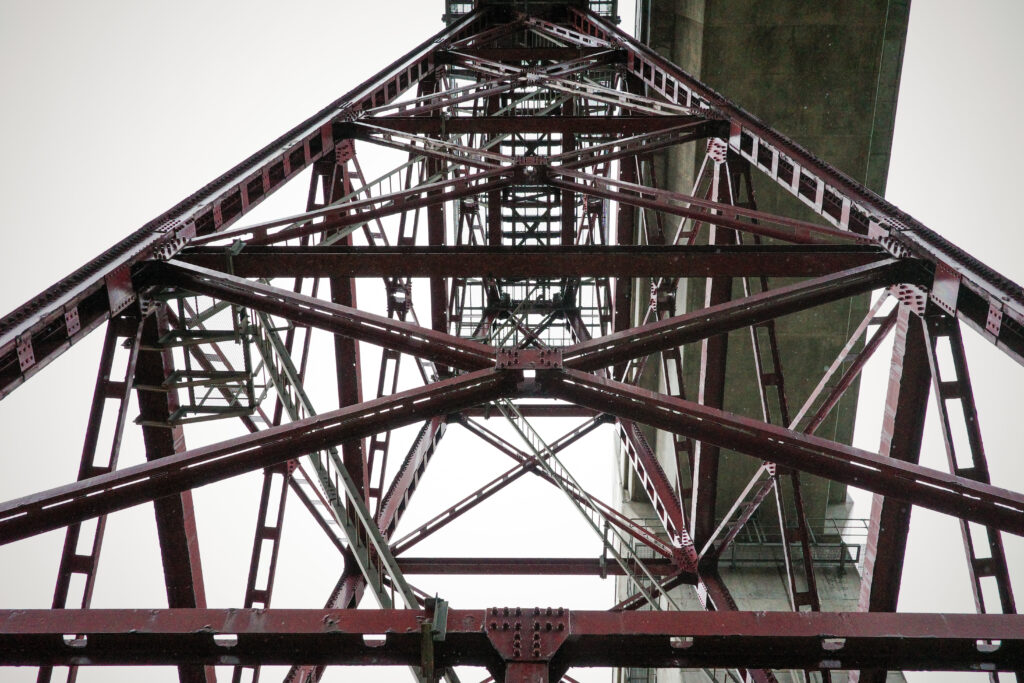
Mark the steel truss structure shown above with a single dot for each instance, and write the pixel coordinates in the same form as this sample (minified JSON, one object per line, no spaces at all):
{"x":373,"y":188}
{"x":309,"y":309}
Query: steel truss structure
{"x":524,"y":223}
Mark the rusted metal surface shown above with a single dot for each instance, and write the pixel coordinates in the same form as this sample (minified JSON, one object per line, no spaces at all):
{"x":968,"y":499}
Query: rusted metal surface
{"x":666,"y":639}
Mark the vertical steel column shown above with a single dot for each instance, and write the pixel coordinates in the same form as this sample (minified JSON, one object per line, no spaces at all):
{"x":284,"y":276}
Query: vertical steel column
{"x":346,"y":349}
{"x":625,"y":235}
{"x":129,"y":329}
{"x":568,"y":198}
{"x":983,"y":545}
{"x":492,"y":106}
{"x":175,"y":515}
{"x":711,"y":391}
{"x":902,"y":430}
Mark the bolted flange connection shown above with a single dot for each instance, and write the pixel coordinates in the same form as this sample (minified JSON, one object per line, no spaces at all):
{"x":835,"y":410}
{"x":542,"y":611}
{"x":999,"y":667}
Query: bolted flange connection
{"x":527,"y":635}
{"x":529,"y":359}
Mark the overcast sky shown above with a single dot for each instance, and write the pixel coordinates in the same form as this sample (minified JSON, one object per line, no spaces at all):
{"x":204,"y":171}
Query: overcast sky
{"x":114,"y":111}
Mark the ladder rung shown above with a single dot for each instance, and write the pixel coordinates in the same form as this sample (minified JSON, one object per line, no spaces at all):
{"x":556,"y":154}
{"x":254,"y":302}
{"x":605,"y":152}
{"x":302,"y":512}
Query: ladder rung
{"x":983,"y":566}
{"x":950,"y":389}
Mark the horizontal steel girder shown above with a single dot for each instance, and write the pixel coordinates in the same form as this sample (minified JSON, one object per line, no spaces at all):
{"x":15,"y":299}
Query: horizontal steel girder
{"x":375,"y":329}
{"x":555,"y":261}
{"x":956,"y":496}
{"x":528,"y":566}
{"x":690,"y":327}
{"x":590,"y":125}
{"x":778,"y":640}
{"x":123,"y":488}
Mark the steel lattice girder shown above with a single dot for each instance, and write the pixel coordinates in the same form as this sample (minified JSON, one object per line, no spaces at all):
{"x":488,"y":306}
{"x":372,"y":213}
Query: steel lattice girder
{"x":535,"y":262}
{"x":799,"y":640}
{"x":886,"y":248}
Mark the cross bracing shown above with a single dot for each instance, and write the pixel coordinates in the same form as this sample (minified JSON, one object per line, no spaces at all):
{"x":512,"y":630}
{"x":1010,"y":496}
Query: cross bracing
{"x":505,"y":335}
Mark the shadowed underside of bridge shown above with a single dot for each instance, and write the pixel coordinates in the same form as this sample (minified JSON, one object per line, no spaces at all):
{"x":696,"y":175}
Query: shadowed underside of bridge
{"x":532,"y":265}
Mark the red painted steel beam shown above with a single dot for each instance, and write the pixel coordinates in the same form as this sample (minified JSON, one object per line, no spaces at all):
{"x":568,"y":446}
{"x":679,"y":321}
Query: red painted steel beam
{"x":51,"y":322}
{"x":539,"y":262}
{"x":643,"y":143}
{"x":531,"y":54}
{"x":956,"y":496}
{"x":183,"y":471}
{"x":431,"y":104}
{"x":307,"y":310}
{"x":779,"y":640}
{"x":532,"y":410}
{"x":986,"y":556}
{"x":83,"y":560}
{"x":568,"y":199}
{"x":404,"y":484}
{"x":711,"y":388}
{"x":175,"y":514}
{"x":659,"y":490}
{"x":438,"y":284}
{"x":437,"y":150}
{"x":528,"y":566}
{"x":697,"y":209}
{"x":853,"y":369}
{"x":352,"y":584}
{"x":625,"y":235}
{"x":689,"y":327}
{"x":906,"y":404}
{"x":494,"y":125}
{"x":337,"y":183}
{"x":128,"y":330}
